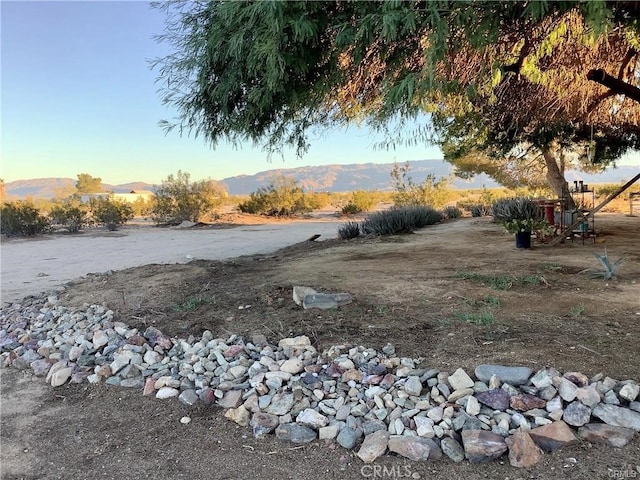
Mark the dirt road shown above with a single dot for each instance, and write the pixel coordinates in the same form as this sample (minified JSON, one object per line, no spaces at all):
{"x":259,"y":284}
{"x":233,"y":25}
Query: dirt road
{"x":31,"y":266}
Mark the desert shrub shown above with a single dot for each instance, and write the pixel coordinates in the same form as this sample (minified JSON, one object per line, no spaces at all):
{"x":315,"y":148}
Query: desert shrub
{"x":281,"y":198}
{"x":22,"y":219}
{"x":400,"y":220}
{"x":178,"y":199}
{"x":71,"y":215}
{"x":318,"y":200}
{"x":349,"y":230}
{"x":479,"y":209}
{"x":430,"y":192}
{"x":361,"y":201}
{"x":142,"y":207}
{"x":451,"y":212}
{"x":111,"y":213}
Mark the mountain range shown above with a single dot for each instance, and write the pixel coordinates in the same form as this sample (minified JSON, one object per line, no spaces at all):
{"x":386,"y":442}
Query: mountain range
{"x":324,"y":178}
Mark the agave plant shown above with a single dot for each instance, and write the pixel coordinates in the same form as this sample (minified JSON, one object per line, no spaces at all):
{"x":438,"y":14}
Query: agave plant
{"x":609,"y":269}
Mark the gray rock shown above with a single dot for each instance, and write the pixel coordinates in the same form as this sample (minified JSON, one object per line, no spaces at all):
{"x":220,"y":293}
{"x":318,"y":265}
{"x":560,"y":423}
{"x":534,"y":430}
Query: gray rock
{"x":295,"y":433}
{"x":188,"y":397}
{"x":452,"y":449}
{"x":133,"y":382}
{"x":281,"y":404}
{"x":348,"y":437}
{"x":263,"y":423}
{"x":413,"y":448}
{"x":231,"y":399}
{"x":413,"y":386}
{"x":567,"y":390}
{"x":312,"y":418}
{"x":374,"y":445}
{"x":544,"y":378}
{"x":373,"y":426}
{"x":481,"y":446}
{"x":611,"y":398}
{"x":576,"y":414}
{"x":511,"y":375}
{"x":618,"y":416}
{"x":629,"y":391}
{"x":602,"y":433}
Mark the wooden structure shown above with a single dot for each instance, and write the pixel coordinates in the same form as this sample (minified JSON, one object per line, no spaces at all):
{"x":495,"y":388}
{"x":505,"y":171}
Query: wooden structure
{"x":592,"y":212}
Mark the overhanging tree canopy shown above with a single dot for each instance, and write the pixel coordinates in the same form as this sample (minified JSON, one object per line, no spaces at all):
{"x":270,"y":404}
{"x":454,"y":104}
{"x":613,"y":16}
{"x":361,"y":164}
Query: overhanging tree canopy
{"x":268,"y":71}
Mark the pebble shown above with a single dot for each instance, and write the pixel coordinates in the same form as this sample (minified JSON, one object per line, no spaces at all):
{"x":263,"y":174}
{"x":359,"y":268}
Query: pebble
{"x":343,"y":395}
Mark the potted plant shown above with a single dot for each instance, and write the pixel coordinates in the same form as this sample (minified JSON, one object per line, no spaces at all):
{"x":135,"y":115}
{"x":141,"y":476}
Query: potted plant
{"x":520,"y":216}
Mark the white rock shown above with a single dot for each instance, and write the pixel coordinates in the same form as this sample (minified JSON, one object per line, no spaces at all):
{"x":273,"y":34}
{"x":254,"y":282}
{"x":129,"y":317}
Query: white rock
{"x":473,"y":406}
{"x":630,"y":391}
{"x":167,"y":392}
{"x":459,"y":380}
{"x":61,"y":376}
{"x":292,"y":366}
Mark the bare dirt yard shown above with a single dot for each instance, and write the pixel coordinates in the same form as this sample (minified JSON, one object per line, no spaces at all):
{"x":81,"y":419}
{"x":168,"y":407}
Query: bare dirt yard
{"x":457,"y":294}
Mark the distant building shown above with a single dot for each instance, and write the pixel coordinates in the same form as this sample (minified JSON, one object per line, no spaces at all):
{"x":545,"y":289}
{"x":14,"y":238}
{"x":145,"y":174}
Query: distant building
{"x":134,"y":195}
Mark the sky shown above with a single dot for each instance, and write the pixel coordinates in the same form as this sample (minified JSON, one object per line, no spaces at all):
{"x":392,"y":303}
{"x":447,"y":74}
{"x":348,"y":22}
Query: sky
{"x":78,"y":96}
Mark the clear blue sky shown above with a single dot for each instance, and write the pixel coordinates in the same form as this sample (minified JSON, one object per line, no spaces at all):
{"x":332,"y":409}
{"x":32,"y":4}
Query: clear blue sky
{"x":78,"y":96}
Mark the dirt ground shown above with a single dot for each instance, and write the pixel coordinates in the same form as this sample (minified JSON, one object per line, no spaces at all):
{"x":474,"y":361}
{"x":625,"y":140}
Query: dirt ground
{"x":457,"y":295}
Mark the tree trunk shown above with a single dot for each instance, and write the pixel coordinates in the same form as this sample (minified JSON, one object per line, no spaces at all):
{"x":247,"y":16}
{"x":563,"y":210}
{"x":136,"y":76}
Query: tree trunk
{"x":555,"y":176}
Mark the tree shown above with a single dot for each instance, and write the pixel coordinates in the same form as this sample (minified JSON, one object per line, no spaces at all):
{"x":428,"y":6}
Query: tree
{"x":178,"y":199}
{"x":88,"y":184}
{"x":267,"y":72}
{"x":111,"y":213}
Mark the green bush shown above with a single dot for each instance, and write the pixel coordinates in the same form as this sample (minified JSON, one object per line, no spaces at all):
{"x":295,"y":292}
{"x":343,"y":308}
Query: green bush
{"x":349,"y":230}
{"x":22,"y":219}
{"x":71,"y":215}
{"x":431,"y":191}
{"x":281,"y":198}
{"x":361,"y":201}
{"x":178,"y":199}
{"x":111,"y":213}
{"x":400,"y":220}
{"x":451,"y":212}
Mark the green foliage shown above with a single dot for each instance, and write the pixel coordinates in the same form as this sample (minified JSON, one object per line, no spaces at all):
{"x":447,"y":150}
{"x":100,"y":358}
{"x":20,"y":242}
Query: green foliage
{"x":609,"y":269}
{"x":178,"y":199}
{"x":432,"y":192}
{"x":577,"y":310}
{"x":501,"y":282}
{"x":193,"y":302}
{"x":399,"y":220}
{"x":71,"y":214}
{"x":479,"y":210}
{"x":88,"y":184}
{"x":142,"y":207}
{"x":361,"y":201}
{"x":477,"y":318}
{"x":518,"y":215}
{"x":21,"y":219}
{"x":111,"y":213}
{"x":451,"y":212}
{"x":349,"y":230}
{"x":281,"y":198}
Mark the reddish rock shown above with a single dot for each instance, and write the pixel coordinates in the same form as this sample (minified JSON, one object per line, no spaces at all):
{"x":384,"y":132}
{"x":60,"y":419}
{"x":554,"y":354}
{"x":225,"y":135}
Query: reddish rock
{"x":333,"y":370}
{"x":524,"y":402}
{"x":138,"y":340}
{"x":523,"y":452}
{"x":580,"y":379}
{"x":149,"y":386}
{"x":496,"y":399}
{"x":603,"y":433}
{"x":387,"y":380}
{"x":481,"y":446}
{"x":231,"y":399}
{"x":233,"y":350}
{"x":553,"y":436}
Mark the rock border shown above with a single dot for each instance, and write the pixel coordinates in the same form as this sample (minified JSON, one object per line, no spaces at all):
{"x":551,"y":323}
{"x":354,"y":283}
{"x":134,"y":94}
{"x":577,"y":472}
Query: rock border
{"x":360,"y":398}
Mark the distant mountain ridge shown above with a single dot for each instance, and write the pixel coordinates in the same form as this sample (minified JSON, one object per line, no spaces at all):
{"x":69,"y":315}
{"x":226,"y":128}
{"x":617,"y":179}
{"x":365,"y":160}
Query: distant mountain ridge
{"x":322,"y":178}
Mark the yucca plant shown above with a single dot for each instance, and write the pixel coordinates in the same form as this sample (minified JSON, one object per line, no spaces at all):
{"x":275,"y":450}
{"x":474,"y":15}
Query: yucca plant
{"x":609,"y":269}
{"x":349,"y":230}
{"x":400,"y":220}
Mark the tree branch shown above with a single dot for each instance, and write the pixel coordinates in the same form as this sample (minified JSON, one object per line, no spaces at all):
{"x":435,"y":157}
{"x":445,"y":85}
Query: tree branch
{"x":617,"y":86}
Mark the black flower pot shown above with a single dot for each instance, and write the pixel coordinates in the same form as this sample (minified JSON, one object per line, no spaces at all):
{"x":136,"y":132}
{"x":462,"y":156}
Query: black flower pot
{"x":523,"y":240}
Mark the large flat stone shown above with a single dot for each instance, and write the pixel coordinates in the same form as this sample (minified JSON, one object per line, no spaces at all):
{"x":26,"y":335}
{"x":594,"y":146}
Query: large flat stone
{"x":553,"y":436}
{"x":511,"y":375}
{"x":603,"y":433}
{"x":481,"y":446}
